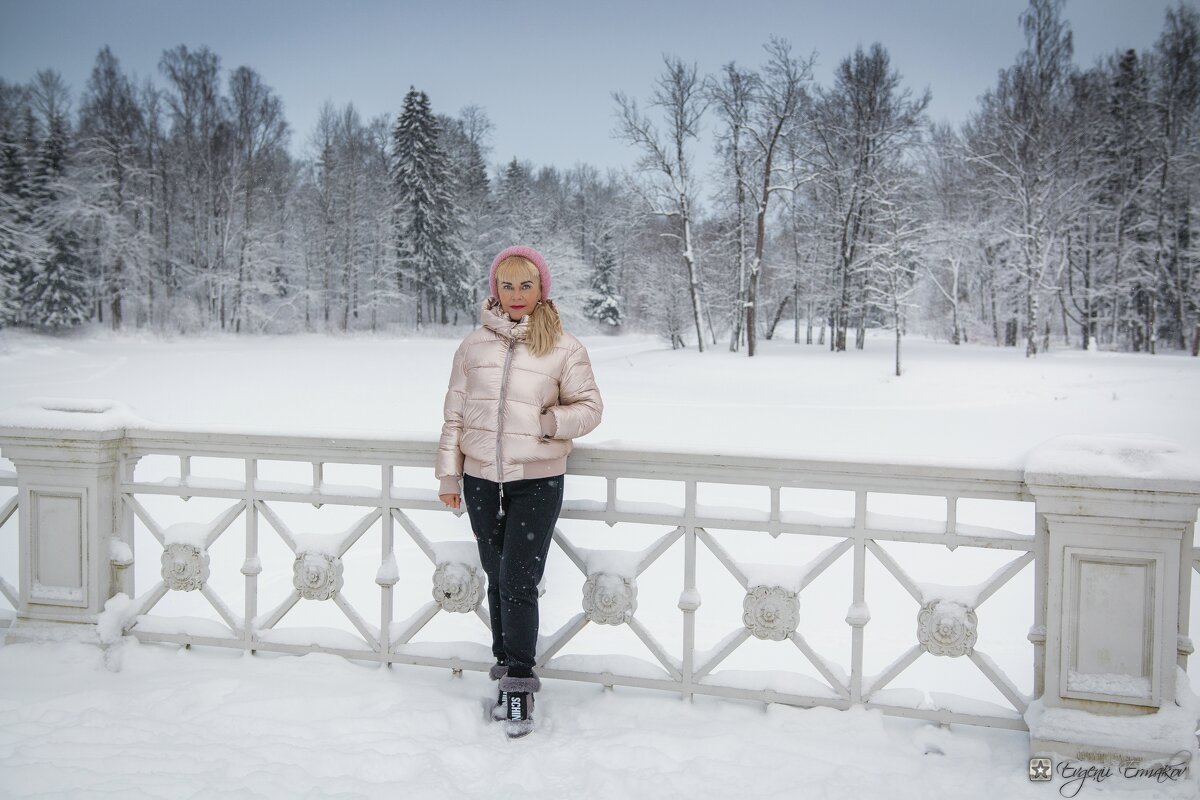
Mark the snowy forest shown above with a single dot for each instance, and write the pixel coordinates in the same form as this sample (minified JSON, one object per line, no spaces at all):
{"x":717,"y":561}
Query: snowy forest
{"x":1058,"y":214}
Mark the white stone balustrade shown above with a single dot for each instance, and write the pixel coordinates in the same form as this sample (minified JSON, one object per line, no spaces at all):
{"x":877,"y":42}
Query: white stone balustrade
{"x":1112,"y":555}
{"x":1120,"y":523}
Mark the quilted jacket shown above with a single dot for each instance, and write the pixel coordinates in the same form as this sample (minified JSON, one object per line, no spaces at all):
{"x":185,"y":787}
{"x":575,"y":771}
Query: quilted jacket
{"x":508,"y":414}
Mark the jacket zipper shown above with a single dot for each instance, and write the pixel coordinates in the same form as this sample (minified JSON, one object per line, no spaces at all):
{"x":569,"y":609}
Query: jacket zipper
{"x":508,"y":353}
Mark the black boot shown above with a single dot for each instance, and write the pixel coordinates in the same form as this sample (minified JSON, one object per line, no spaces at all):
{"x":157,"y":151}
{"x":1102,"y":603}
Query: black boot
{"x":520,"y":704}
{"x":500,"y":710}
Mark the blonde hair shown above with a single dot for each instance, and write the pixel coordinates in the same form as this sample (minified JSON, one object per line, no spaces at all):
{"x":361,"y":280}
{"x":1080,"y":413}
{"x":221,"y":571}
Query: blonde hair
{"x":545,"y":326}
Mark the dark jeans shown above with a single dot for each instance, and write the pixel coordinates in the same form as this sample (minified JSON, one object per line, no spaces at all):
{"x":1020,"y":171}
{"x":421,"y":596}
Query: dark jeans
{"x":513,"y":549}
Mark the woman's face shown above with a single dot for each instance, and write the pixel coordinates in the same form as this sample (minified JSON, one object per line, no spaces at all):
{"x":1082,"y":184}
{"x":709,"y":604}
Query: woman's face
{"x":518,"y":295}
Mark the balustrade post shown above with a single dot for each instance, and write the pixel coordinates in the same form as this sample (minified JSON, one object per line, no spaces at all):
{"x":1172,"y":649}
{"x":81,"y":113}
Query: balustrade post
{"x":71,"y":532}
{"x":1119,"y":516}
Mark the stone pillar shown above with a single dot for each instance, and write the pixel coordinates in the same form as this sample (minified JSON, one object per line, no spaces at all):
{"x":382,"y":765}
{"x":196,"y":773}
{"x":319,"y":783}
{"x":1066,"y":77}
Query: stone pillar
{"x":1120,"y":517}
{"x":70,"y":517}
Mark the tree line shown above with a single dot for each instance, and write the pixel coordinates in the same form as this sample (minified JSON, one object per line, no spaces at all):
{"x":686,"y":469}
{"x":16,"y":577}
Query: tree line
{"x":1059,"y":211}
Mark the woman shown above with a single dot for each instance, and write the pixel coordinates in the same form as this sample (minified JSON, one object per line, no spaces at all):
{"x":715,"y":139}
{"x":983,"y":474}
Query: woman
{"x":520,"y":390}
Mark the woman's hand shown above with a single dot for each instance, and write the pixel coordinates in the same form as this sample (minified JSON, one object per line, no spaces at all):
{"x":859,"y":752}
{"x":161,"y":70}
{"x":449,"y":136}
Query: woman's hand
{"x":549,"y":426}
{"x":451,"y":500}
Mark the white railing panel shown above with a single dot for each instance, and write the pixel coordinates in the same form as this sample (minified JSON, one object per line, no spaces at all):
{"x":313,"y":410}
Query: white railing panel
{"x":770,"y":579}
{"x":756,"y":528}
{"x":10,"y":568}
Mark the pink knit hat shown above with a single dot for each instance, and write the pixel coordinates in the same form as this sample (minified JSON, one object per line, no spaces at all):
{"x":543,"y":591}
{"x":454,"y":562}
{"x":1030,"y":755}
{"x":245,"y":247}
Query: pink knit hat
{"x":523,"y":252}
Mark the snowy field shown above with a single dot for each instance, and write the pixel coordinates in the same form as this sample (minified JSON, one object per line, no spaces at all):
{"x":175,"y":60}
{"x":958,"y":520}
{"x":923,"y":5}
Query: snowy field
{"x":196,"y":724}
{"x":969,"y":404}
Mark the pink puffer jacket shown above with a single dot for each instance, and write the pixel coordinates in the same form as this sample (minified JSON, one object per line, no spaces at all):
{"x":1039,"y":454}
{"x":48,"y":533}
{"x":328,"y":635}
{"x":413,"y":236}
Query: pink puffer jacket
{"x":495,"y":427}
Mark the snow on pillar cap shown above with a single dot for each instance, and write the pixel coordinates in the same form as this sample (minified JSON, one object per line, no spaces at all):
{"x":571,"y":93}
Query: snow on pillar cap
{"x":527,"y":253}
{"x":1105,"y":460}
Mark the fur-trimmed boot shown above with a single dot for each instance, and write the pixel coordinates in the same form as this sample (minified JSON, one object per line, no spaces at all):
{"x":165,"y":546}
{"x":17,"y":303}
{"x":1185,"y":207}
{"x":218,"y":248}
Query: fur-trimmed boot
{"x":520,"y":704}
{"x":500,"y":710}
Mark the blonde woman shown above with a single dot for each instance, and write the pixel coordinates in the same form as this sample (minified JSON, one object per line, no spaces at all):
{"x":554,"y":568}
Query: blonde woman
{"x":520,"y":390}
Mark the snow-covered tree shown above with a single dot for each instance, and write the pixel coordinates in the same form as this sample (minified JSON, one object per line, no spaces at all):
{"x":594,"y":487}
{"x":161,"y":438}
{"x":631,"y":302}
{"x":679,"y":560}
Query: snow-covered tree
{"x":665,"y":163}
{"x":11,"y":262}
{"x":952,"y":218}
{"x":259,"y":138}
{"x":465,"y":142}
{"x":56,"y":296}
{"x":1022,"y":139}
{"x":55,"y":293}
{"x":605,"y":302}
{"x":862,"y":126}
{"x":519,"y":218}
{"x":1175,"y":166}
{"x":730,"y":94}
{"x":21,"y":246}
{"x":110,"y":182}
{"x":894,"y":249}
{"x":428,"y":221}
{"x":777,"y":97}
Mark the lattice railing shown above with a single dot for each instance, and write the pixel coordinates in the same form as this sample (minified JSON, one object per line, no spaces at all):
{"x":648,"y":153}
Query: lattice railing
{"x":946,"y":623}
{"x":1187,"y":644}
{"x":8,"y":533}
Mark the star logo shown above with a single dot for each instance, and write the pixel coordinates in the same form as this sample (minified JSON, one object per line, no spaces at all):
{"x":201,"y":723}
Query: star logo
{"x":1039,"y":768}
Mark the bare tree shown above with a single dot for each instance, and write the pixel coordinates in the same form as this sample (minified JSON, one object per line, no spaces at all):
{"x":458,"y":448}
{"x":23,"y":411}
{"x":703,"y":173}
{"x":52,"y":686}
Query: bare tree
{"x":259,"y":131}
{"x":806,"y":246}
{"x":953,"y":221}
{"x":200,"y":152}
{"x":893,"y":251}
{"x":731,"y":95}
{"x":777,"y":99}
{"x":664,"y":162}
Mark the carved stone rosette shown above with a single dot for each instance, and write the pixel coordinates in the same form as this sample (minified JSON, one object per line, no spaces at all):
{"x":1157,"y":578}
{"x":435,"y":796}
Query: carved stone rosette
{"x":771,"y":612}
{"x":184,"y":567}
{"x":947,"y":628}
{"x":457,"y":587}
{"x":316,"y":576}
{"x":609,"y":599}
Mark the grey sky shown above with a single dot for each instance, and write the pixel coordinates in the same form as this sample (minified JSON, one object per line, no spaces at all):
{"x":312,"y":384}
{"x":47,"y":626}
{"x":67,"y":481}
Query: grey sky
{"x":544,"y":71}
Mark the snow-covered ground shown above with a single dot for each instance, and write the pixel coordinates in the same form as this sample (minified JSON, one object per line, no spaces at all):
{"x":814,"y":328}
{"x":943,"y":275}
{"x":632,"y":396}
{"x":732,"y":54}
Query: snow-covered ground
{"x":968,"y":404}
{"x":196,"y":724}
{"x":192,"y":724}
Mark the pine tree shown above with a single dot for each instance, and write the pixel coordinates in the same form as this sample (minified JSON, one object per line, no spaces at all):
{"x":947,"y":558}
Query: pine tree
{"x":18,"y":242}
{"x":469,"y":179}
{"x":605,"y":303}
{"x":475,"y":189}
{"x":54,"y":295}
{"x":518,"y":218}
{"x":9,"y":262}
{"x":426,"y":214}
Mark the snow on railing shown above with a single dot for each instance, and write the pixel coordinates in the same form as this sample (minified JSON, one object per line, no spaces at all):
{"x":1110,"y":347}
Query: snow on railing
{"x":682,"y":527}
